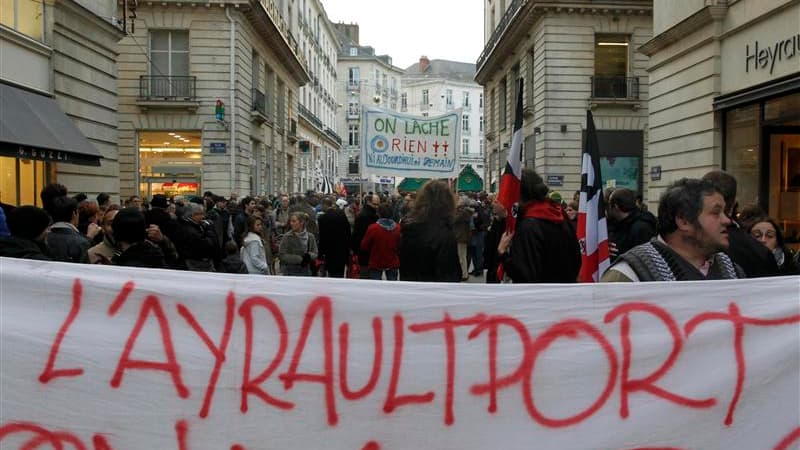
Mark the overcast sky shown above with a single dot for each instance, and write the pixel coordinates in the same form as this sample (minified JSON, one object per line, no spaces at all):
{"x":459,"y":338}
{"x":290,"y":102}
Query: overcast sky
{"x":407,"y":29}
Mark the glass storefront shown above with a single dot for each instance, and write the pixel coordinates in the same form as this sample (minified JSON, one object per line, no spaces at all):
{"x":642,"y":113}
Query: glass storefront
{"x":762,"y":150}
{"x":170,"y":163}
{"x":21,"y":180}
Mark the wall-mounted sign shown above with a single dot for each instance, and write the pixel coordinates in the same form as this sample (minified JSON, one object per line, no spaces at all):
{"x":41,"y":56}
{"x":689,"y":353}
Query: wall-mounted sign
{"x":766,"y":56}
{"x":655,"y":173}
{"x":218,"y":147}
{"x":555,"y":180}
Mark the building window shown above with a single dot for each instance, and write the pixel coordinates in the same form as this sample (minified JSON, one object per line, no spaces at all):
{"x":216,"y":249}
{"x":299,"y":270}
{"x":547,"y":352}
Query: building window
{"x":465,"y":99}
{"x":353,"y":76}
{"x":353,"y":110}
{"x":425,"y":99}
{"x":480,"y":100}
{"x":492,"y":110}
{"x":449,"y":98}
{"x":377,"y":80}
{"x":25,"y":16}
{"x":480,"y":124}
{"x":481,"y":147}
{"x":610,"y":66}
{"x":404,"y":101}
{"x":465,"y":146}
{"x":502,"y":104}
{"x":352,"y":165}
{"x":21,"y":180}
{"x":353,"y":135}
{"x":465,"y":122}
{"x":169,"y":63}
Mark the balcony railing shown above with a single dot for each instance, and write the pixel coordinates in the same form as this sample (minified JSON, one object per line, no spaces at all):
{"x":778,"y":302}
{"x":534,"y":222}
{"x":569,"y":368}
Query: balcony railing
{"x":353,"y":113}
{"x":333,"y":135}
{"x":499,"y":30}
{"x":174,"y":88}
{"x":622,"y":88}
{"x":311,"y":117}
{"x":259,"y":102}
{"x":353,"y":85}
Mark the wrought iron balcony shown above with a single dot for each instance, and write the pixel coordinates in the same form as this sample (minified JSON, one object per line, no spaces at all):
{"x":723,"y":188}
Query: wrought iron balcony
{"x":168,"y":88}
{"x":259,"y":102}
{"x":311,"y":117}
{"x":619,"y":87}
{"x":333,"y":135}
{"x":499,"y":31}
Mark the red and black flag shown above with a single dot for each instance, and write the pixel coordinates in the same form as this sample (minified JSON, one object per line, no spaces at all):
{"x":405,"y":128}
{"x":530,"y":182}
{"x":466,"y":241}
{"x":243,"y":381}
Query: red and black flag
{"x":512,"y":176}
{"x":592,"y":227}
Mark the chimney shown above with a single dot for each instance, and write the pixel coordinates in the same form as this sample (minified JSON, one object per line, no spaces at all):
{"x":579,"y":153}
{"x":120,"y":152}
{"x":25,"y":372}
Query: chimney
{"x":424,"y":63}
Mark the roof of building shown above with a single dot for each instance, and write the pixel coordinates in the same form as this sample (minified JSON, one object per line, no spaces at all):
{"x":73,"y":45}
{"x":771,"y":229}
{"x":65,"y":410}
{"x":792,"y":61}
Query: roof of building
{"x":442,"y":68}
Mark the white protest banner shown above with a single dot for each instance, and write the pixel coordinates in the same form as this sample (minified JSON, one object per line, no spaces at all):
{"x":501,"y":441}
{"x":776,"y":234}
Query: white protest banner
{"x":103,"y":358}
{"x":408,"y":146}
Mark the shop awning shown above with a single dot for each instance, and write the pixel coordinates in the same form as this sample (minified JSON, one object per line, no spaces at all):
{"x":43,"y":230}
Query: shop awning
{"x":32,"y":126}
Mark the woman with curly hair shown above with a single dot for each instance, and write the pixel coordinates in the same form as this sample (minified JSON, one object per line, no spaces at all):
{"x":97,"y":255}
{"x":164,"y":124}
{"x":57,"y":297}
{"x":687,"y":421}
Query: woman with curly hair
{"x":428,"y":246}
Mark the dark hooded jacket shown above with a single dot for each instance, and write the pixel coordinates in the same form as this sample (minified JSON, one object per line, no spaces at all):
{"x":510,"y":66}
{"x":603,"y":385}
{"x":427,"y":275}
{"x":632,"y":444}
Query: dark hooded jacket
{"x":428,"y":252}
{"x":544,"y":248}
{"x":17,"y":247}
{"x":639,"y":227}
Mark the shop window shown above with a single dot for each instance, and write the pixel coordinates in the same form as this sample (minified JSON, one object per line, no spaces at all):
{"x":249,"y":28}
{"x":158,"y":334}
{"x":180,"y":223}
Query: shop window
{"x":21,"y":180}
{"x":25,"y":16}
{"x":743,"y":151}
{"x":170,"y":163}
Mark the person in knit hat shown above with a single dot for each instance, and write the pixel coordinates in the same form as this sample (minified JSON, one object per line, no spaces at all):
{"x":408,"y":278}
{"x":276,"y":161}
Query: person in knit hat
{"x":28,"y":227}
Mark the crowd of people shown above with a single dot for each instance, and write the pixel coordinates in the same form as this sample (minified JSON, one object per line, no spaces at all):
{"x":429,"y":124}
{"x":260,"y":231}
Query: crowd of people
{"x":432,"y":235}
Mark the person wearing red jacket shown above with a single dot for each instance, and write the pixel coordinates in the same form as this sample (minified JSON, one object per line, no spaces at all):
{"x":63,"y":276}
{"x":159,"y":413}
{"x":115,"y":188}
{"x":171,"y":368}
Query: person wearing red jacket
{"x":382,"y":241}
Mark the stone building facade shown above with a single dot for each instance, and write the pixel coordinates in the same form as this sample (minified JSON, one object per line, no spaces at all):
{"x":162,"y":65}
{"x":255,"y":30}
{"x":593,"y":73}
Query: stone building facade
{"x":725,"y":93}
{"x":208,"y":99}
{"x":58,"y":77}
{"x":571,"y":57}
{"x":434,"y":87}
{"x":365,"y":79}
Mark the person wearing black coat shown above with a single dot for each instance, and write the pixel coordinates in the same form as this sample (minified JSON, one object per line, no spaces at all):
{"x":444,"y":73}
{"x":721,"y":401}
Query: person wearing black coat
{"x":130,"y":236}
{"x":632,"y":226}
{"x":367,"y":216}
{"x":196,"y":241}
{"x":428,"y":247}
{"x":27,"y":225}
{"x":334,"y":238}
{"x":64,"y":240}
{"x":754,"y":259}
{"x":544,"y":248}
{"x":158,"y":215}
{"x":492,"y":240}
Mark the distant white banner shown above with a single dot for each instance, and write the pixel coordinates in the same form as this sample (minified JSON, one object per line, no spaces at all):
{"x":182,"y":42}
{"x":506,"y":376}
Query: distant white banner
{"x":112,"y":358}
{"x":408,"y":146}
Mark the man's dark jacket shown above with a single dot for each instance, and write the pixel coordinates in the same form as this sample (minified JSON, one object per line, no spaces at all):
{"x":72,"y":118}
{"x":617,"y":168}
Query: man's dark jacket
{"x":365,"y":218}
{"x":16,"y":247}
{"x":639,"y":227}
{"x":334,"y":238}
{"x":752,"y":256}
